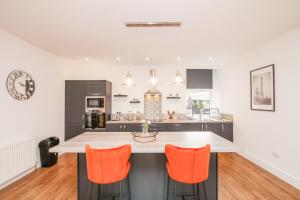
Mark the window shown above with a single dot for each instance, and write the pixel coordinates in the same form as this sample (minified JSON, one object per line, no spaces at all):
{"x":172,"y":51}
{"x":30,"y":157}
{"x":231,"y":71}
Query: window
{"x":198,"y":101}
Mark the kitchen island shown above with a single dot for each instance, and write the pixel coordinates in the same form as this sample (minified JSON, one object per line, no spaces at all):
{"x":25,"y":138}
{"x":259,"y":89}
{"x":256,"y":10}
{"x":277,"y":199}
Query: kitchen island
{"x":148,"y":175}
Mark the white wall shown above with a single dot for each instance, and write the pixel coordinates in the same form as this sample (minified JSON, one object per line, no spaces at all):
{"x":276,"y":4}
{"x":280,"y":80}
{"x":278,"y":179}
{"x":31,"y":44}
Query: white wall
{"x":42,"y":115}
{"x":94,"y":70}
{"x":271,"y":139}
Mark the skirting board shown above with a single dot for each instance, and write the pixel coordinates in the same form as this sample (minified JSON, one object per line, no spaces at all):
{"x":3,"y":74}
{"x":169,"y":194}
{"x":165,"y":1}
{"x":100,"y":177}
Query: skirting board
{"x":294,"y":181}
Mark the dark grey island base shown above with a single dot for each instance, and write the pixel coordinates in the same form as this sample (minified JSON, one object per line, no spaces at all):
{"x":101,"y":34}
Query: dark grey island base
{"x":148,"y":179}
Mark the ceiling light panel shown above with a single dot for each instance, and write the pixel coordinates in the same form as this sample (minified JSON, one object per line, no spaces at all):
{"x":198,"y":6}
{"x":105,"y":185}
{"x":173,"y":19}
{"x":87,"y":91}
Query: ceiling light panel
{"x":152,"y":24}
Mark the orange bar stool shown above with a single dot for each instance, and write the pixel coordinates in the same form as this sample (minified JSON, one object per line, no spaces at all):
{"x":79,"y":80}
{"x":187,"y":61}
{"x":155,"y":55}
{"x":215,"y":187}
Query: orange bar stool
{"x":188,"y":166}
{"x":108,"y":166}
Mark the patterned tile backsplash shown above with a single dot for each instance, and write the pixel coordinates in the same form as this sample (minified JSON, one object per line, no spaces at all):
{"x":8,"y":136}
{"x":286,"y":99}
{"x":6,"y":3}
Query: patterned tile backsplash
{"x":152,"y":107}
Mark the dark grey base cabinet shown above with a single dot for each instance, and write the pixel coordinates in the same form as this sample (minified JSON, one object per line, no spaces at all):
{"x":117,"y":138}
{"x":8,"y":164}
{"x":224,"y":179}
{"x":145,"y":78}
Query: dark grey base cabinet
{"x":177,"y":127}
{"x":128,"y":127}
{"x":227,"y":131}
{"x":73,"y":129}
{"x":160,"y":127}
{"x":224,"y":130}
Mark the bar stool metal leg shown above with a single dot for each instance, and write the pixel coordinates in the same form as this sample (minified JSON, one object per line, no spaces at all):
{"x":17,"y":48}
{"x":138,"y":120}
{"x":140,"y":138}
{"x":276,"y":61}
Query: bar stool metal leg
{"x":129,"y":191}
{"x":168,"y":185}
{"x":174,"y":190}
{"x":120,"y":190}
{"x":99,"y":192}
{"x":204,"y":190}
{"x":91,"y":191}
{"x":198,"y":191}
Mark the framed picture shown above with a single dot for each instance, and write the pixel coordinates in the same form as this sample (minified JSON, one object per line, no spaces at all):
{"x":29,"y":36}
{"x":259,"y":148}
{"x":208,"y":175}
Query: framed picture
{"x":262,"y":87}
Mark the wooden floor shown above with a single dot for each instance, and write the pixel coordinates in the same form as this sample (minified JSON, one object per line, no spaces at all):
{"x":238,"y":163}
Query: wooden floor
{"x":238,"y":179}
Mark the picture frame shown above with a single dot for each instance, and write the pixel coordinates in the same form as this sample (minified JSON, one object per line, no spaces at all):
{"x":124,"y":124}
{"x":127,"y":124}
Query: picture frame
{"x":262,"y":88}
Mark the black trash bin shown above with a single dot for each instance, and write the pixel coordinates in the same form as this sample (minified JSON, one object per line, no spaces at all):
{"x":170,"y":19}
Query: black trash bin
{"x":48,"y":159}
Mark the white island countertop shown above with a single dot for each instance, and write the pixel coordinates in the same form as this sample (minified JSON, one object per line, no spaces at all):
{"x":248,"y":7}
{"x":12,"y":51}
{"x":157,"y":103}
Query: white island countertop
{"x":114,"y":139}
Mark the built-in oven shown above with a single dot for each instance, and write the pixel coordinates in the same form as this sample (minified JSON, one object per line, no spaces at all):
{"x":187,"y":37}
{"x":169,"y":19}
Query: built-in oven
{"x":95,"y":104}
{"x":94,"y":120}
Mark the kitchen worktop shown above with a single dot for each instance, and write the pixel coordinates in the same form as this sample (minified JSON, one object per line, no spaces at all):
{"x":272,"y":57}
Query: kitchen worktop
{"x":113,"y":139}
{"x":173,"y":121}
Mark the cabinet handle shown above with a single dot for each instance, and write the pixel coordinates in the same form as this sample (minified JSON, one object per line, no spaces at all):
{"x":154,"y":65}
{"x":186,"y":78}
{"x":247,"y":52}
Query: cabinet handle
{"x":83,"y":116}
{"x":202,"y":127}
{"x":206,"y":127}
{"x":124,"y":127}
{"x":222,"y":129}
{"x":121,"y":127}
{"x":83,"y":126}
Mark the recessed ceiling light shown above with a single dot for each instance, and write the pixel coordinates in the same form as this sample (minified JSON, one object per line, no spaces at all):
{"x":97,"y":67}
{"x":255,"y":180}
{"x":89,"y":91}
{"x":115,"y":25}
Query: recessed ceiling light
{"x":147,"y":58}
{"x":117,"y":58}
{"x":86,"y":59}
{"x":211,"y":59}
{"x":178,"y":59}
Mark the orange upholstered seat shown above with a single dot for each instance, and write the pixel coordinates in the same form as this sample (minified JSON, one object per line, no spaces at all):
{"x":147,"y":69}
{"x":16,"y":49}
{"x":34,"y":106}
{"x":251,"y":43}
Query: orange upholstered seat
{"x":106,"y":166}
{"x":188,"y":165}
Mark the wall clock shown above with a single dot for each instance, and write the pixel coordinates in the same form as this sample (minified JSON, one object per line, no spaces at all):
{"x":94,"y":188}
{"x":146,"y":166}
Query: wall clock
{"x":20,"y":85}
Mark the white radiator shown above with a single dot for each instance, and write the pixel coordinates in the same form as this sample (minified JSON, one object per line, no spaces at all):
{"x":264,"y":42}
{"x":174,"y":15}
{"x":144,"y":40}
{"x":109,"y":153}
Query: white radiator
{"x":16,"y":159}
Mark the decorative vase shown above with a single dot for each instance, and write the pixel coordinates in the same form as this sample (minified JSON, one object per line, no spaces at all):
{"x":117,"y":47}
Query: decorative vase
{"x":145,"y":129}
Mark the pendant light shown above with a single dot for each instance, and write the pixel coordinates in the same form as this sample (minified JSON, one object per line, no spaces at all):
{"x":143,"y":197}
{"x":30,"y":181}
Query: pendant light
{"x":178,"y":80}
{"x":153,"y":78}
{"x":129,"y":81}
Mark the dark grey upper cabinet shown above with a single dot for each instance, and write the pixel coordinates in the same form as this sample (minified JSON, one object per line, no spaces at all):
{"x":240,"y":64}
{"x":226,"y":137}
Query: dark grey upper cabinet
{"x":74,"y":101}
{"x":95,"y":88}
{"x":108,"y":89}
{"x":199,"y":79}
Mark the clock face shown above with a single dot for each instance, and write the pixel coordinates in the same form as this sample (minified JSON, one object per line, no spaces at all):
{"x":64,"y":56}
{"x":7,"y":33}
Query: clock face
{"x":20,"y":85}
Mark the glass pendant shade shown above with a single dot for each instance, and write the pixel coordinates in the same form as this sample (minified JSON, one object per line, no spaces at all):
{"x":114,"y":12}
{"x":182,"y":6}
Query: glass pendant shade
{"x":179,"y":80}
{"x":153,"y":79}
{"x":129,"y":81}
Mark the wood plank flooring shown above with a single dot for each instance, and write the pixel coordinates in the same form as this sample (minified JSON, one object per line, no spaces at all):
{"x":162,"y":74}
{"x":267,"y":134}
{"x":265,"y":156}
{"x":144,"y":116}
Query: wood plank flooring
{"x":239,"y":179}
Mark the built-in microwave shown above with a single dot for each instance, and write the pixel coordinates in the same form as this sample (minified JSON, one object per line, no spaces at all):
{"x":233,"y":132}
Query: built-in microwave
{"x":95,"y":104}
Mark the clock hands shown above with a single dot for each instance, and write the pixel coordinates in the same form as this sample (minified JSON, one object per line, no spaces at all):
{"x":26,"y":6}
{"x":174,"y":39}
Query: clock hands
{"x":22,"y":84}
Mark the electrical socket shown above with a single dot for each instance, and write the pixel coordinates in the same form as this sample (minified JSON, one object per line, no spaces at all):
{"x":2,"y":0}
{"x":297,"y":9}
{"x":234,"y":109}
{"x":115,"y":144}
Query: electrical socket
{"x":275,"y":155}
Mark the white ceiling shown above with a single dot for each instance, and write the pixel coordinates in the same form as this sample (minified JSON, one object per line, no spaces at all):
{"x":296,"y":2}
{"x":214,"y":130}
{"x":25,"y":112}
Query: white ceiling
{"x":95,"y":28}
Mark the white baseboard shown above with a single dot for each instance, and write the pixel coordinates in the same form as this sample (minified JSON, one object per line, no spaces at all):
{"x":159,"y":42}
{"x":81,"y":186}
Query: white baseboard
{"x":292,"y":180}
